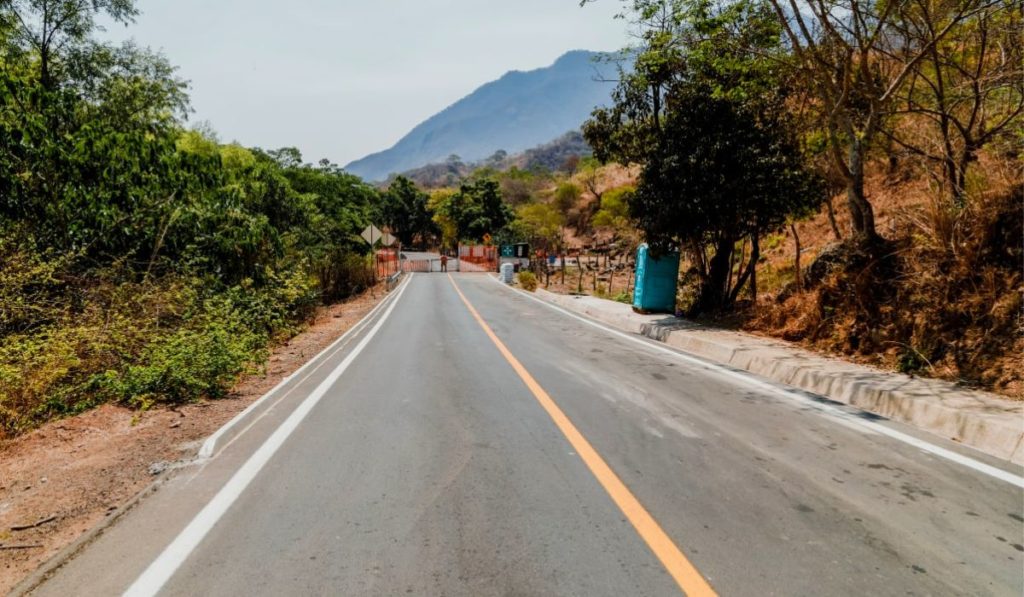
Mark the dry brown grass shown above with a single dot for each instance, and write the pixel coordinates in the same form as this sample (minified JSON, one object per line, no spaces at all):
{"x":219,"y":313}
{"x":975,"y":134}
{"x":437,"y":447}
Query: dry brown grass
{"x":945,"y":300}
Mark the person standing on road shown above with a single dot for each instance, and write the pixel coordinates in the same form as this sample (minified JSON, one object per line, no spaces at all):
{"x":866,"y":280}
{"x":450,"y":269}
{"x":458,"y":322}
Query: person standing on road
{"x":444,"y":263}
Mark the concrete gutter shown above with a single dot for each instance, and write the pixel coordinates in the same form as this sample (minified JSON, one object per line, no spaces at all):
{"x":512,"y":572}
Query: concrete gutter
{"x":982,"y":420}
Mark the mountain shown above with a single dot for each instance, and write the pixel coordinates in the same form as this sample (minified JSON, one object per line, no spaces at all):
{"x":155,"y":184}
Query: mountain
{"x":518,"y":111}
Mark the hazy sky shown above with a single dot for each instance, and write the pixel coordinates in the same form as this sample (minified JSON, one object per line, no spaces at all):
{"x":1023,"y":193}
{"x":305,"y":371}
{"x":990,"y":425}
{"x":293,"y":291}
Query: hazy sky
{"x":346,"y":78}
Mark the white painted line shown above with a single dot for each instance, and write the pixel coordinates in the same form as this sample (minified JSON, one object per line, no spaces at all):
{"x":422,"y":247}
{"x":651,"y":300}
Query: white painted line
{"x":161,"y":570}
{"x":210,"y":445}
{"x":840,"y":415}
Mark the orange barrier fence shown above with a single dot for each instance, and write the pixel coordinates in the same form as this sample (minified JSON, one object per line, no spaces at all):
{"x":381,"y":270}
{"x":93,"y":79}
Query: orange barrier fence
{"x":417,"y":265}
{"x":387,"y":262}
{"x":478,"y":258}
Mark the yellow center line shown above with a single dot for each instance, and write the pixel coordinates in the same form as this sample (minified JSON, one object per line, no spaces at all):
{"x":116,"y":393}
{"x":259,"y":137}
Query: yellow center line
{"x":685,"y":574}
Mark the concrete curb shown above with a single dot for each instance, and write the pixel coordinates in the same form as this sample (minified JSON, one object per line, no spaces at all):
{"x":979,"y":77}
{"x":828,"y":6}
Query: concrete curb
{"x":982,"y":420}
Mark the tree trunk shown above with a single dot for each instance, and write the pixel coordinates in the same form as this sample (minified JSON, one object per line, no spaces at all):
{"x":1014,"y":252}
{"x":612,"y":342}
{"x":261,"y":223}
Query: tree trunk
{"x":755,"y":256}
{"x":958,"y":177}
{"x":713,"y":289}
{"x":832,"y":219}
{"x":579,"y":265}
{"x":749,"y":272}
{"x":863,"y":215}
{"x":796,"y":260}
{"x":753,"y":272}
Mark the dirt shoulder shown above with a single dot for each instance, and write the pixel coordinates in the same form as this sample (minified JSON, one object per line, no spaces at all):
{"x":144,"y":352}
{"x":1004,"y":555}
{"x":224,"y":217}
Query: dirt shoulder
{"x":62,"y":479}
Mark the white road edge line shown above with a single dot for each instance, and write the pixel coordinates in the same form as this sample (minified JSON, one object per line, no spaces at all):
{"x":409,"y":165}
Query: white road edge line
{"x":749,"y":379}
{"x":210,"y":445}
{"x":160,"y":571}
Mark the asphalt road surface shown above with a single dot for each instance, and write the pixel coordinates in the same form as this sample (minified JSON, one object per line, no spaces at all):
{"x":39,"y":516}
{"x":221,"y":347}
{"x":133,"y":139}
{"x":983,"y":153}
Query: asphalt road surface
{"x":468,"y":440}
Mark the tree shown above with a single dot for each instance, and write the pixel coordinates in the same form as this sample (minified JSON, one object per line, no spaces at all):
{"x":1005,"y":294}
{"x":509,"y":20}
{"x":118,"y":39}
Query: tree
{"x":541,"y":224}
{"x":968,"y":89}
{"x":854,"y":61}
{"x":88,"y":131}
{"x":59,"y":32}
{"x":720,"y":176}
{"x":497,"y":158}
{"x":440,"y":205}
{"x":520,"y":186}
{"x":730,"y":47}
{"x":478,"y":209}
{"x":404,"y":209}
{"x":613,"y":215}
{"x":567,"y":197}
{"x":704,"y":113}
{"x":286,"y":157}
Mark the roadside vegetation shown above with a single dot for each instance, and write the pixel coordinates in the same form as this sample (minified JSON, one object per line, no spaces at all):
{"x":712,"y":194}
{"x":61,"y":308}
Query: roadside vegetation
{"x":142,"y":262}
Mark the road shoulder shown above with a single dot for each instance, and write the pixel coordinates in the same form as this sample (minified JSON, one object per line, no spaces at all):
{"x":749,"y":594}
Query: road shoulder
{"x":73,"y":475}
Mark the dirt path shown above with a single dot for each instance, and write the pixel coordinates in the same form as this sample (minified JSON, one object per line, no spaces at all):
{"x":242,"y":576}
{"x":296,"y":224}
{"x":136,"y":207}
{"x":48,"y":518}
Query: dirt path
{"x":62,"y":479}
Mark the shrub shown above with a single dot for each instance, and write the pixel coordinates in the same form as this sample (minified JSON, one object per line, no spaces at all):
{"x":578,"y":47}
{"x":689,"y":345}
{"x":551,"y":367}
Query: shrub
{"x":343,"y":274}
{"x":276,"y":308}
{"x":185,"y":366}
{"x":528,"y":281}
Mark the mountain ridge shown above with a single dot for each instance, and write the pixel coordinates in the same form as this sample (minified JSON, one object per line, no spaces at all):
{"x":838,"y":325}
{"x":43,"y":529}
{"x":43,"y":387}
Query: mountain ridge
{"x":517,"y":111}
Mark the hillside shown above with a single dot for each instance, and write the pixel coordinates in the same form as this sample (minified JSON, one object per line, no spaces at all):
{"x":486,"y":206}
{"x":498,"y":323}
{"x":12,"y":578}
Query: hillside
{"x":552,"y":156}
{"x":964,"y":320}
{"x":518,"y":111}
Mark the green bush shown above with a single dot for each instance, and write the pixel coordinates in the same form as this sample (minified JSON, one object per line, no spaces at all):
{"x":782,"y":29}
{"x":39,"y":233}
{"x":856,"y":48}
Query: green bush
{"x":527,"y":280}
{"x":185,"y":366}
{"x":275,"y":308}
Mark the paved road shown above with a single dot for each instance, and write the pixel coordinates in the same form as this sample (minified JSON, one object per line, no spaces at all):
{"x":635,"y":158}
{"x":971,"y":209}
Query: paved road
{"x":435,"y":459}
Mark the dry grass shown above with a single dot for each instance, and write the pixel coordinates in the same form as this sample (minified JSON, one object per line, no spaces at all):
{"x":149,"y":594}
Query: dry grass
{"x":946,"y":298}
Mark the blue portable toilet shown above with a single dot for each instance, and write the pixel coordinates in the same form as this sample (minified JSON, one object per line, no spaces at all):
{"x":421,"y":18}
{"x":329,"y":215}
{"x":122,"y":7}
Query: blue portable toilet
{"x":656,"y":280}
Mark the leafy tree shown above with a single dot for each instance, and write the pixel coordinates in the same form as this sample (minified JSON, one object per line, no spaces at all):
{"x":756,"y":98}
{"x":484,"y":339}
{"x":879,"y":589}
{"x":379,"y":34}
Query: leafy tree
{"x":520,"y":186}
{"x":59,"y":33}
{"x":403,"y":208}
{"x":87,"y":132}
{"x":613,"y":215}
{"x":337,"y":207}
{"x":541,"y":224}
{"x":139,"y":261}
{"x":287,"y":157}
{"x":706,"y":119}
{"x":719,"y":177}
{"x":566,"y":200}
{"x":440,"y":204}
{"x":476,"y":209}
